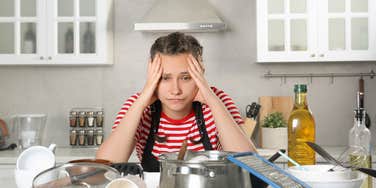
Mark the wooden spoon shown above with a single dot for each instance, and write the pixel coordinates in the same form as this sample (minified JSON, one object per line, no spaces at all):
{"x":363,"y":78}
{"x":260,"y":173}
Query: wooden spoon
{"x":183,"y":150}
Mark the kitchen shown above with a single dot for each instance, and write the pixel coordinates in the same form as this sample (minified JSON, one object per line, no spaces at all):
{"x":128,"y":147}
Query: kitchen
{"x":231,"y":53}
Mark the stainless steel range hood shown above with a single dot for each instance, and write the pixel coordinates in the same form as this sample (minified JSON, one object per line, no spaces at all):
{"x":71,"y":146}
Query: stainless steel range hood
{"x":181,"y":15}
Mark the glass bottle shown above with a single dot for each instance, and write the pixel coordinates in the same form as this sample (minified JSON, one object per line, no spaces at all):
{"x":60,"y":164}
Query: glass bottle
{"x":29,"y":43}
{"x":69,"y":41}
{"x":301,"y":128}
{"x":88,"y":40}
{"x":360,"y":144}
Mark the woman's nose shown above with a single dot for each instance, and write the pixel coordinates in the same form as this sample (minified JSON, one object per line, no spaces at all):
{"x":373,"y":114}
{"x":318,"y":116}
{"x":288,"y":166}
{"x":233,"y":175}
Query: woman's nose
{"x":175,"y":88}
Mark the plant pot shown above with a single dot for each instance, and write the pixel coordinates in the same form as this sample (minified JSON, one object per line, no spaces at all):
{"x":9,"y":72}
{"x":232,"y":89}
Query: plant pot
{"x":274,"y":138}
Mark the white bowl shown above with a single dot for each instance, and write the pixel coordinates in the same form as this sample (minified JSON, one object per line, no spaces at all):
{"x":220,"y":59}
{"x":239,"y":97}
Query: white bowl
{"x":318,"y":176}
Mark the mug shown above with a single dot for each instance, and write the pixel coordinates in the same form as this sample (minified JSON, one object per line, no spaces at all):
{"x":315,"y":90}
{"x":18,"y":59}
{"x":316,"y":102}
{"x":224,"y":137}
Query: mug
{"x":36,"y":158}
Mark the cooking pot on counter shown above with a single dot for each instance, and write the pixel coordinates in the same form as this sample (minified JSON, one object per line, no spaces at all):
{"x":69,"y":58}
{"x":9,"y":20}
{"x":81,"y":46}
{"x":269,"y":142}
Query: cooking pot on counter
{"x":209,"y":169}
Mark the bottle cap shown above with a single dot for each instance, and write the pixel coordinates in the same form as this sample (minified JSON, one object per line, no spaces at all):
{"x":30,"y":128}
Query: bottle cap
{"x":300,"y":88}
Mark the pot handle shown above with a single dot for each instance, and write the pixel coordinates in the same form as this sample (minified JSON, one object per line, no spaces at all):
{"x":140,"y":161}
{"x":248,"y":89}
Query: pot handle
{"x":186,"y":170}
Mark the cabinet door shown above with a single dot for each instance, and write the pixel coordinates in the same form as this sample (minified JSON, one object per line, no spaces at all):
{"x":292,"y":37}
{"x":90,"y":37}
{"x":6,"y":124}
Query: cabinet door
{"x":285,"y":30}
{"x":77,"y":31}
{"x":347,"y":30}
{"x":20,"y":24}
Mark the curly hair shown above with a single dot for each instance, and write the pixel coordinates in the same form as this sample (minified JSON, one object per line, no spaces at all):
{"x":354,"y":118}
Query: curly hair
{"x":177,"y":43}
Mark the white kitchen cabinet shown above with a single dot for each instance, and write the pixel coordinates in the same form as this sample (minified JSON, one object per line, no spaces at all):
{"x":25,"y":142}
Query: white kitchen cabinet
{"x":314,"y":31}
{"x":54,"y":32}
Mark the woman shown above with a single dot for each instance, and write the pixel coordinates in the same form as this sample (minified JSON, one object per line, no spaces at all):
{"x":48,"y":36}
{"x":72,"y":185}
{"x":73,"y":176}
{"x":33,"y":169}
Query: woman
{"x":175,"y":79}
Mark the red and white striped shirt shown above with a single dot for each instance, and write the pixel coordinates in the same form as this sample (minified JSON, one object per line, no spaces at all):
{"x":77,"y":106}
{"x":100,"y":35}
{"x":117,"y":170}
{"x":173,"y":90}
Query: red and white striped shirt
{"x":176,"y":131}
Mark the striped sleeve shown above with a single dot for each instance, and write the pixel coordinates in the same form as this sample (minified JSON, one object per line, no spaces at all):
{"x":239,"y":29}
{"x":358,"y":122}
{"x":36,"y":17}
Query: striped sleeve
{"x":127,"y":104}
{"x":230,"y":105}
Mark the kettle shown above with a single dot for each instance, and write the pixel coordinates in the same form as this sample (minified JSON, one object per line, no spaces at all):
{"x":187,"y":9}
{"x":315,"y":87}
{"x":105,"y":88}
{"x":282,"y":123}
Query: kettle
{"x":5,"y":137}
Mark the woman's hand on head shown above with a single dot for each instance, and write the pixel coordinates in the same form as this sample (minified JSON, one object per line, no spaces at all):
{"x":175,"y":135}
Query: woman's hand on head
{"x":196,"y":70}
{"x":154,"y":74}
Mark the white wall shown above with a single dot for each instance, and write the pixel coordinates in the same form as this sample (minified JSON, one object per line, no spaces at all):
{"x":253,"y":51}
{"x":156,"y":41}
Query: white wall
{"x":230,"y":62}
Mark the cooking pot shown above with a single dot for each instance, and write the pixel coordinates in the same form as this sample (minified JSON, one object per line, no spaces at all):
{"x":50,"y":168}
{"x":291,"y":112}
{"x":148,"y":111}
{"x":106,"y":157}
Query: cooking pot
{"x":209,"y":169}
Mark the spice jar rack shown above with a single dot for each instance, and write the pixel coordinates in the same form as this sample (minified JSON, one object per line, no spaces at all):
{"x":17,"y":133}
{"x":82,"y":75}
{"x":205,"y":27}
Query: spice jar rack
{"x":86,"y":127}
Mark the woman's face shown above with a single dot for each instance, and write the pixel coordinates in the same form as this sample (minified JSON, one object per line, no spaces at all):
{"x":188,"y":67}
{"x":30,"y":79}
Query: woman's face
{"x":176,"y":89}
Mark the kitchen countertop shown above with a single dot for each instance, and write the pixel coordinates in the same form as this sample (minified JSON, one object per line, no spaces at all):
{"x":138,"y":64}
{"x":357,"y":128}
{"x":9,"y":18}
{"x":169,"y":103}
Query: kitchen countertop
{"x":65,"y":154}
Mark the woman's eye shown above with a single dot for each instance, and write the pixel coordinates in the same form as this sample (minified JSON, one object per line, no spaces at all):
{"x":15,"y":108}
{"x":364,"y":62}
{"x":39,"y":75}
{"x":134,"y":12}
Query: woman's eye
{"x":165,"y":77}
{"x":186,"y":78}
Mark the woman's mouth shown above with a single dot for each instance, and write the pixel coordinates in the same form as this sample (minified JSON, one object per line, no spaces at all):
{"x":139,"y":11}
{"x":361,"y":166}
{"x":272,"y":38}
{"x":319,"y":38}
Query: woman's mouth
{"x":175,"y":100}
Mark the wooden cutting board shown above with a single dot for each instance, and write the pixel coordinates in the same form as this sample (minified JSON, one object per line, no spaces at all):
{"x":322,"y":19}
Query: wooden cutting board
{"x":270,"y":104}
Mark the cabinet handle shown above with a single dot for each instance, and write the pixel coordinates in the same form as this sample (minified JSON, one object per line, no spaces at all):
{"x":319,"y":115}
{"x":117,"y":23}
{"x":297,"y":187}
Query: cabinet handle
{"x":322,"y":55}
{"x":49,"y":57}
{"x":41,"y":57}
{"x":313,"y":55}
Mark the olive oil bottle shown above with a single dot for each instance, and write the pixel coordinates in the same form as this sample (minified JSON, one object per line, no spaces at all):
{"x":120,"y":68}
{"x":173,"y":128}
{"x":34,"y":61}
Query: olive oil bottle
{"x":301,"y":128}
{"x":360,"y":144}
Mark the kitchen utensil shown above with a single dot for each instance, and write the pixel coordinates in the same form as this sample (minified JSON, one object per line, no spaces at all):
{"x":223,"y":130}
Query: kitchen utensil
{"x":334,"y":161}
{"x":265,"y":170}
{"x":129,"y":169}
{"x":216,"y":172}
{"x":182,"y":150}
{"x":79,"y":174}
{"x":360,"y":101}
{"x":10,"y":147}
{"x":291,"y":160}
{"x":250,"y":120}
{"x":30,"y":128}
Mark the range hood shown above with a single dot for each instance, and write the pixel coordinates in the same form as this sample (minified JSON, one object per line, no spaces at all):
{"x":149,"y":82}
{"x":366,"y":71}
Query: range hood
{"x":180,"y":15}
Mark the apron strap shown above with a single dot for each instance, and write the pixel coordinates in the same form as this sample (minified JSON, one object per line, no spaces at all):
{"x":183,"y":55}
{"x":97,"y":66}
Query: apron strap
{"x":149,"y":163}
{"x":200,"y":121}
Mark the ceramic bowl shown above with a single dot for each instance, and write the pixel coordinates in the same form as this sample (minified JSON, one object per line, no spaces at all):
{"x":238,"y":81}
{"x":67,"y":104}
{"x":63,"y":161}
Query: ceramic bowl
{"x":318,"y":176}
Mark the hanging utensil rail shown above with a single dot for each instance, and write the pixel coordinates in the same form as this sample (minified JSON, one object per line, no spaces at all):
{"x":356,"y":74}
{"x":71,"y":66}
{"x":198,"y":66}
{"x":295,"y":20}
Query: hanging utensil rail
{"x":371,"y":74}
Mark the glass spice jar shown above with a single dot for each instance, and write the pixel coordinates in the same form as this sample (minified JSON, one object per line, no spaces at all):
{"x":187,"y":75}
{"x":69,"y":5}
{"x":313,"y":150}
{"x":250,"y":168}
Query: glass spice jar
{"x":73,"y":137}
{"x":99,"y":118}
{"x":73,"y":118}
{"x":81,"y":137}
{"x":90,"y":137}
{"x":90,"y":118}
{"x":99,"y":137}
{"x":81,"y":118}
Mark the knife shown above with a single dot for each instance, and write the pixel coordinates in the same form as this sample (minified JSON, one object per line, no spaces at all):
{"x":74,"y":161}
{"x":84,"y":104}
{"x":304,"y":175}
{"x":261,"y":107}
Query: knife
{"x":250,"y":121}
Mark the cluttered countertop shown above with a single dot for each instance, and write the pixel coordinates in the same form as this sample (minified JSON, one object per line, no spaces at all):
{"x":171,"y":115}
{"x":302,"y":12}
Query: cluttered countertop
{"x":65,"y":154}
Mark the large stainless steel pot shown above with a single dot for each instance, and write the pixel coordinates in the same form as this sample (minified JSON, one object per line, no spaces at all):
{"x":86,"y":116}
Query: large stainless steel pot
{"x":213,"y":172}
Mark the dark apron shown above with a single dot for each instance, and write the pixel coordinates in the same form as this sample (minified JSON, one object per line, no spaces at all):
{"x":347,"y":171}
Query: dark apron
{"x":149,"y":163}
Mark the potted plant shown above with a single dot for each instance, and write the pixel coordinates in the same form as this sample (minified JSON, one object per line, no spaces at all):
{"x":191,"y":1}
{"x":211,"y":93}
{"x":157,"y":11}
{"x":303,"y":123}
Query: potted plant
{"x":274,"y":131}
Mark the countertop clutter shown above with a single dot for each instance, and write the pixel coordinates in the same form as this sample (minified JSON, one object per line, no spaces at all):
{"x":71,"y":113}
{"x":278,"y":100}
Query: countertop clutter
{"x":65,"y":154}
